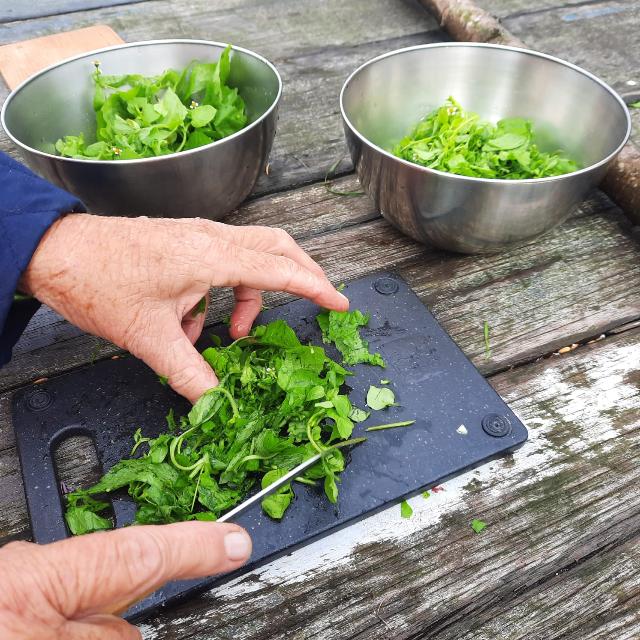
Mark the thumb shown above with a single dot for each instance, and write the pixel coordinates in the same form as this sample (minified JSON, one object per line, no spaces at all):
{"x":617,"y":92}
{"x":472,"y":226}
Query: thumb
{"x":168,"y":351}
{"x":105,"y":573}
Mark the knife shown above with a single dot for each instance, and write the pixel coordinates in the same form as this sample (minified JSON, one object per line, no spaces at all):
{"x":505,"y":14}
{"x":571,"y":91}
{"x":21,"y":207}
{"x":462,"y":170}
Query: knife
{"x":287,"y":477}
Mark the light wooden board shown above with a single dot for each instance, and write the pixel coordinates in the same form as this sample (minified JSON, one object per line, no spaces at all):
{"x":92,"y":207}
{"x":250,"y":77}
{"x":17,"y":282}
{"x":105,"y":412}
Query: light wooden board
{"x":20,"y":60}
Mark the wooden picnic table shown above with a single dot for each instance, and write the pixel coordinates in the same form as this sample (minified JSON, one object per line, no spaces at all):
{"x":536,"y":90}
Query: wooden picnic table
{"x":561,"y":555}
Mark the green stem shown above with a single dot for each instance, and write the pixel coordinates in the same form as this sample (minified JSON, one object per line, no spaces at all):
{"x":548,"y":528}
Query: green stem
{"x":391,"y":425}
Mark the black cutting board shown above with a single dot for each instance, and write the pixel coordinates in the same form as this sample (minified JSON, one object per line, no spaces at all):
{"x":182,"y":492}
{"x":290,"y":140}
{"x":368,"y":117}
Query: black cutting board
{"x":460,"y":422}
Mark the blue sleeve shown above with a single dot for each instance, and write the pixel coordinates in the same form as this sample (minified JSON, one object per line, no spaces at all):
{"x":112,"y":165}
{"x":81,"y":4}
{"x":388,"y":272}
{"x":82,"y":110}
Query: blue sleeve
{"x":29,"y":205}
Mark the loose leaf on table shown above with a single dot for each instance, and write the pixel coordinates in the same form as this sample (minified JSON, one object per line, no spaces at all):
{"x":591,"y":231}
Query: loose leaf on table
{"x":478,"y":525}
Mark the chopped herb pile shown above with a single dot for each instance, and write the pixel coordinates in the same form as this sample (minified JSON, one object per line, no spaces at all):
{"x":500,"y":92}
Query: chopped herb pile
{"x":278,"y":403}
{"x":457,"y":141}
{"x":142,"y":117}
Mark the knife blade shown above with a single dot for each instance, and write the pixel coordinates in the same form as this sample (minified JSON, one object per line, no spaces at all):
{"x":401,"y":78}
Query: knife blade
{"x":287,"y":477}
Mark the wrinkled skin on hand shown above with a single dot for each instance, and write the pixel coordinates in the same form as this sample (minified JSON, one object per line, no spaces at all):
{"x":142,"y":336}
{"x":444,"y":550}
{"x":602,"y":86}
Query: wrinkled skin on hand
{"x":74,"y":589}
{"x":136,"y":282}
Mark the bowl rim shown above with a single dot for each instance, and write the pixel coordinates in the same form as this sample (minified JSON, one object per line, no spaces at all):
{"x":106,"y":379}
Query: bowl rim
{"x":126,"y":45}
{"x":483,"y":45}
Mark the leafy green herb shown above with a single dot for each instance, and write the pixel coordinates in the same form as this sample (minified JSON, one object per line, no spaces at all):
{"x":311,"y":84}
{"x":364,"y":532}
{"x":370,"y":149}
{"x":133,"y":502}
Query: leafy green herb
{"x":201,"y":307}
{"x":385,"y":381}
{"x":342,"y":328}
{"x":426,"y":495}
{"x":278,"y":403}
{"x":391,"y":425}
{"x":635,"y":105}
{"x":405,"y":509}
{"x":456,"y":141}
{"x":380,"y":397}
{"x":142,"y":117}
{"x":163,"y":380}
{"x":478,"y":526}
{"x":487,"y":345}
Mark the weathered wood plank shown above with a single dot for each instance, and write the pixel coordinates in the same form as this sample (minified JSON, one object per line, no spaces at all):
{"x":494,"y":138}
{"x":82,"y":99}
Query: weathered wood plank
{"x":510,"y":8}
{"x":11,"y":11}
{"x":570,"y":492}
{"x":578,"y":281}
{"x":314,"y":45}
{"x":582,"y":35}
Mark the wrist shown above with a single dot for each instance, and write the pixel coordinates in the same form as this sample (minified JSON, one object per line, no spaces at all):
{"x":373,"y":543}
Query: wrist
{"x":46,"y":260}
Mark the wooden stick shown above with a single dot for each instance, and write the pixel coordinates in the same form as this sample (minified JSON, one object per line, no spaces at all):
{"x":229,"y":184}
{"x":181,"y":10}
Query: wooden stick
{"x":465,"y":21}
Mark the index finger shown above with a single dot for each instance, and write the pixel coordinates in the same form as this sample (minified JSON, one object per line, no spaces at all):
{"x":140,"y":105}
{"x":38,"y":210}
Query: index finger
{"x":236,"y":266}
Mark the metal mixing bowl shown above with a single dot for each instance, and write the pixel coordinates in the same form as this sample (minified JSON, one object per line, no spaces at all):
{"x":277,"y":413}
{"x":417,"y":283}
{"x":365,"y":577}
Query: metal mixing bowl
{"x":208,"y":181}
{"x":571,"y":109}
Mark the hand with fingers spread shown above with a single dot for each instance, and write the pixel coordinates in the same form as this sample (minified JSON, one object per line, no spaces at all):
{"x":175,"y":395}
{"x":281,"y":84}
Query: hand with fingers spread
{"x":74,"y":589}
{"x":138,"y":281}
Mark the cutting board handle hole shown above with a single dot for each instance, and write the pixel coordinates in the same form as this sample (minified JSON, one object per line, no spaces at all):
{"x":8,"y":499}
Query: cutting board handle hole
{"x":76,"y":462}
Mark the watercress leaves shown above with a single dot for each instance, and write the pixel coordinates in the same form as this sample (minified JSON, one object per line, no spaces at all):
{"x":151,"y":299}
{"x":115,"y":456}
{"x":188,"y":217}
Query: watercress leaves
{"x":342,"y":328}
{"x":141,"y":117}
{"x":278,"y":403}
{"x":456,"y":141}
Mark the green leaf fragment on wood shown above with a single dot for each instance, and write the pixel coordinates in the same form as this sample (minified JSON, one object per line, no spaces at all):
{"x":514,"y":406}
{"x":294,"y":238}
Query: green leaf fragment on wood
{"x":405,"y":509}
{"x":478,"y":525}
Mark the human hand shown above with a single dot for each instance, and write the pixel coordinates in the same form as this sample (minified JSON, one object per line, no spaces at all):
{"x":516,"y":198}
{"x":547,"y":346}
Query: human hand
{"x":74,"y":589}
{"x":138,"y":281}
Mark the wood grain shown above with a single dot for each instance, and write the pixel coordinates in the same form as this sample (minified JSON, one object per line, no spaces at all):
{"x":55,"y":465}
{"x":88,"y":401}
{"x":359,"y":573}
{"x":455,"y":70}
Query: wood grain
{"x":20,"y":60}
{"x":566,"y":504}
{"x":578,"y":281}
{"x":314,"y":45}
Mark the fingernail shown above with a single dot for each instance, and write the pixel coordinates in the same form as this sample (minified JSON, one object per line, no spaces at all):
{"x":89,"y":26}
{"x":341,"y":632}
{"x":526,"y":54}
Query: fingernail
{"x":237,"y":546}
{"x":344,"y":297}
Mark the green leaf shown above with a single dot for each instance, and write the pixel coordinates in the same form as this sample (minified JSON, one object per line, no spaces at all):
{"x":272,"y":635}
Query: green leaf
{"x":358,"y":415}
{"x":200,"y":308}
{"x":202,"y":115}
{"x":405,"y":509}
{"x":342,"y":328}
{"x":277,"y":503}
{"x":478,"y":526}
{"x":426,"y":495}
{"x":81,"y":521}
{"x":380,"y":397}
{"x":163,"y":380}
{"x":635,"y":105}
{"x":331,"y":488}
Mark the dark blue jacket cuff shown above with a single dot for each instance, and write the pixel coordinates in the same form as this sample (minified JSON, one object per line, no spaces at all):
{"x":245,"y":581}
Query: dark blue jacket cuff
{"x":29,"y":205}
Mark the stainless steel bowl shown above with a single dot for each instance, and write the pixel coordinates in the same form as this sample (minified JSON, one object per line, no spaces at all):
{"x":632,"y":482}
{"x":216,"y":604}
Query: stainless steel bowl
{"x":208,"y":181}
{"x":383,"y":100}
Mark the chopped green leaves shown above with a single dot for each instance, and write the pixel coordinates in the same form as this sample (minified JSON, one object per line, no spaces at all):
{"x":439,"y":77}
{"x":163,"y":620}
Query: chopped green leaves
{"x":342,"y":328}
{"x":200,"y":308}
{"x":478,"y":526}
{"x":380,"y":397}
{"x":142,"y":117}
{"x":456,"y":141}
{"x":278,"y":403}
{"x":405,"y":509}
{"x":635,"y":105}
